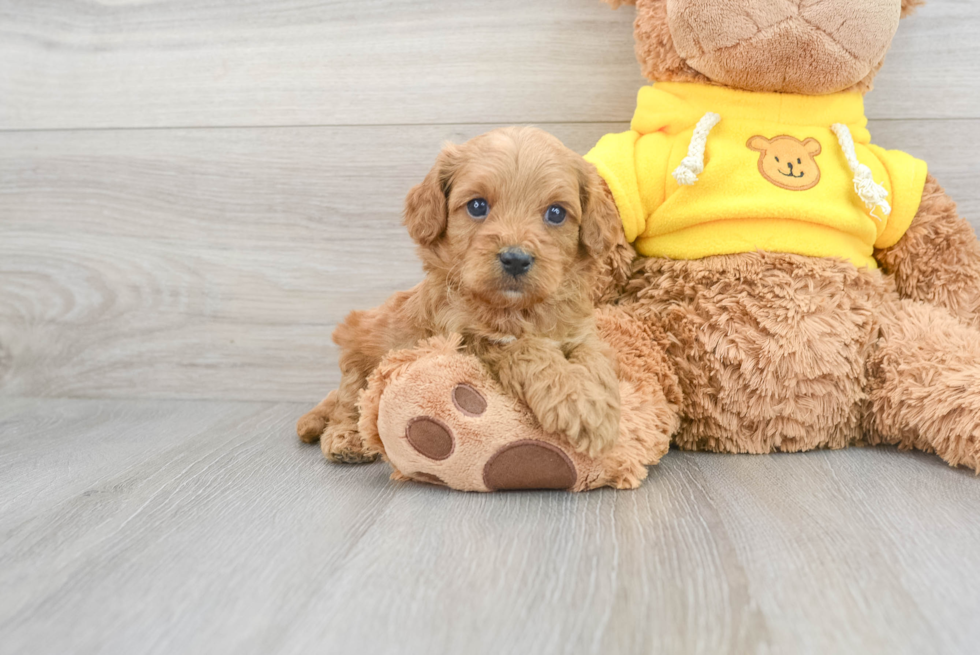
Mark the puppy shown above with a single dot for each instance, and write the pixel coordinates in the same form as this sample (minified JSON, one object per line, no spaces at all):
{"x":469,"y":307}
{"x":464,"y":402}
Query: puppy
{"x":511,"y":228}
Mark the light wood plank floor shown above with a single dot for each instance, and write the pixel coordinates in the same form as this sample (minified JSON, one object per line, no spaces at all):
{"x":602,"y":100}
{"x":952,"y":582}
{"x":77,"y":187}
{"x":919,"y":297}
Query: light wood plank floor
{"x":181,"y":527}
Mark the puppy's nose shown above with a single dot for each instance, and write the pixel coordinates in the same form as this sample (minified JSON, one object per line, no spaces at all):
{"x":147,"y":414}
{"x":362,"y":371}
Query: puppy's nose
{"x":515,"y":261}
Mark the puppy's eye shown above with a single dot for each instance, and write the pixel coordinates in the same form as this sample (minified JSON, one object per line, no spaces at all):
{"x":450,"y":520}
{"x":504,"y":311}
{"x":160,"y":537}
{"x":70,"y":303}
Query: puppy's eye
{"x":555,"y":215}
{"x":478,"y":208}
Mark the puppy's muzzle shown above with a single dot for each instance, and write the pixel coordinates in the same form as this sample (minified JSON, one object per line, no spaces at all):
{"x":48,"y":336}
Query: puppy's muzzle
{"x":515,"y":261}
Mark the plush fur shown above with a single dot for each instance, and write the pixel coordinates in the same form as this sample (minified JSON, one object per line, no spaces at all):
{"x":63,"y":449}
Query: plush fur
{"x":535,"y":330}
{"x":781,"y":352}
{"x":938,"y":259}
{"x":766,"y":45}
{"x":765,"y":352}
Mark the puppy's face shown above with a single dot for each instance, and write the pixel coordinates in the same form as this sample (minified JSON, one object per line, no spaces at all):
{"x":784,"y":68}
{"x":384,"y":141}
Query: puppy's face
{"x":511,"y":218}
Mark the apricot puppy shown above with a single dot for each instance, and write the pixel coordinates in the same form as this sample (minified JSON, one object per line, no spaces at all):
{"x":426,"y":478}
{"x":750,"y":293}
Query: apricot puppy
{"x":511,"y":227}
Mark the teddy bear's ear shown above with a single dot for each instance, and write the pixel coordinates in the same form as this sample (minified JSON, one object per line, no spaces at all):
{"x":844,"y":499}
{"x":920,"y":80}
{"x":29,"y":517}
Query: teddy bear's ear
{"x":616,"y":4}
{"x":426,"y":210}
{"x":909,"y":6}
{"x":759,"y":144}
{"x":813,"y":147}
{"x":655,"y":47}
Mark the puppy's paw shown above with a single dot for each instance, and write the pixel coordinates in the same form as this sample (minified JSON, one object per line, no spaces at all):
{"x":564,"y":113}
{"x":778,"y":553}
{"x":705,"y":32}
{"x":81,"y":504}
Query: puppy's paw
{"x":591,"y":425}
{"x":627,"y":476}
{"x":310,"y":426}
{"x":599,"y":421}
{"x":342,"y":443}
{"x":583,"y":409}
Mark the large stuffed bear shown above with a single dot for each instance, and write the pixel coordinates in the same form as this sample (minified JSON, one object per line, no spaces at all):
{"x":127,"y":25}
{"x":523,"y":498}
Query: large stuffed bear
{"x":782,"y":284}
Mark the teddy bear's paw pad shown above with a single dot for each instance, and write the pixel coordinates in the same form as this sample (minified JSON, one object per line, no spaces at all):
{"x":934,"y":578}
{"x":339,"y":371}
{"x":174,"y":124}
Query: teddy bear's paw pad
{"x":529,"y":464}
{"x":430,"y":437}
{"x":468,"y":400}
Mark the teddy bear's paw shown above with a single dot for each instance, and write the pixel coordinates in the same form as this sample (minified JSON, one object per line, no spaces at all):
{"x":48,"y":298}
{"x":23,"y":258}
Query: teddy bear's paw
{"x":523,"y":464}
{"x":445,"y":421}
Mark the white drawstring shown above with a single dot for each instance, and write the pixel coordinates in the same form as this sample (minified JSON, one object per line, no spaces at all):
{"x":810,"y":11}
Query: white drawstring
{"x":873,"y":194}
{"x":693,"y":165}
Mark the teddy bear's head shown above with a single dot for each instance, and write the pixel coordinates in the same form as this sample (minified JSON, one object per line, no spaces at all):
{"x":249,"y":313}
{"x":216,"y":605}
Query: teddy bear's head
{"x":810,"y":47}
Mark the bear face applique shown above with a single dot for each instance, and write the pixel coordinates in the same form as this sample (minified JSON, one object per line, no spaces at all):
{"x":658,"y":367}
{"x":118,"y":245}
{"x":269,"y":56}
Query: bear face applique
{"x":788,"y":162}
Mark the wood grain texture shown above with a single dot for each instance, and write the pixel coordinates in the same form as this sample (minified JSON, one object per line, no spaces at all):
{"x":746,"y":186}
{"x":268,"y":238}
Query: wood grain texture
{"x":133,"y":63}
{"x":232,"y":62}
{"x":203,"y":527}
{"x":216,"y":263}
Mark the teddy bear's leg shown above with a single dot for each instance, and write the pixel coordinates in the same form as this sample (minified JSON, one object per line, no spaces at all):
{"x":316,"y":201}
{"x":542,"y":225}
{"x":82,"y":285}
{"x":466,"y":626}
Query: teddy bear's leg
{"x":938,"y":259}
{"x":440,"y":417}
{"x":924,"y":382}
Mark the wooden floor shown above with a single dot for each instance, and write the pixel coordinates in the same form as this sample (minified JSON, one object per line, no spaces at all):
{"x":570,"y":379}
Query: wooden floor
{"x":193,"y":194}
{"x":203,"y":527}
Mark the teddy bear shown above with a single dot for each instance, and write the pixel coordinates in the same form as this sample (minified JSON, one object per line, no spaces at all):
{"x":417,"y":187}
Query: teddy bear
{"x":782,"y":284}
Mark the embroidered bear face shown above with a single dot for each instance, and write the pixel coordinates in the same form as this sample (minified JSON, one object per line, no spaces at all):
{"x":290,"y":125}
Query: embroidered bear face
{"x":788,"y":162}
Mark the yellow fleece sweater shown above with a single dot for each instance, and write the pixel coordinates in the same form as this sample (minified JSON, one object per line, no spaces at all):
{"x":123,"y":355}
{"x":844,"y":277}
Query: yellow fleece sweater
{"x":775,"y":177}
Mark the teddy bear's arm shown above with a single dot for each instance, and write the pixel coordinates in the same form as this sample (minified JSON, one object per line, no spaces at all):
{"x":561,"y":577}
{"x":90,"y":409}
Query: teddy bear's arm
{"x":938,"y":259}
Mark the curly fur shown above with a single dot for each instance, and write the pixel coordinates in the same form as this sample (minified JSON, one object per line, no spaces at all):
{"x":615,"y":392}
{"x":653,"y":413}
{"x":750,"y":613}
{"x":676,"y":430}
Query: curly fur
{"x":614,"y":270}
{"x":536,"y":330}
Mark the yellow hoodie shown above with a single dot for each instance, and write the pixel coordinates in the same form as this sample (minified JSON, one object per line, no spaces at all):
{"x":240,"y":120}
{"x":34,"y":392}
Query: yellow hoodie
{"x":707,"y":170}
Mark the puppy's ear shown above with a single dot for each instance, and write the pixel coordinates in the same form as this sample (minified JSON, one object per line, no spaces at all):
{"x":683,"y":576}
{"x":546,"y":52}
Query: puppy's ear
{"x":908,"y":6}
{"x":601,"y":226}
{"x":426,"y":211}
